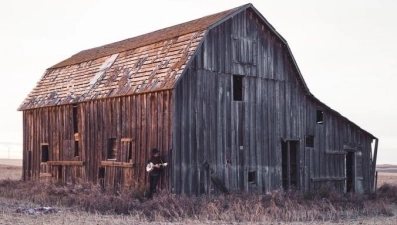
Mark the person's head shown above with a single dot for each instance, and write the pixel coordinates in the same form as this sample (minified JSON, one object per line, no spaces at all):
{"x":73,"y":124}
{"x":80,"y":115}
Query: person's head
{"x":155,"y":152}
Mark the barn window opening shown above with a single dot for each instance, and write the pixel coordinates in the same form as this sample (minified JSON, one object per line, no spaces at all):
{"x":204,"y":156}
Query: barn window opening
{"x":238,"y":88}
{"x":252,"y":177}
{"x":75,"y":120}
{"x":76,"y":148}
{"x":44,"y":153}
{"x":112,"y":148}
{"x":129,"y":152}
{"x":126,"y":154}
{"x":309,"y":141}
{"x":320,"y":117}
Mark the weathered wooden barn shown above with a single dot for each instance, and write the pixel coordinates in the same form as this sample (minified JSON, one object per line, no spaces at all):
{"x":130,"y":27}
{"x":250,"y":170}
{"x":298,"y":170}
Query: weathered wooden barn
{"x":222,"y":98}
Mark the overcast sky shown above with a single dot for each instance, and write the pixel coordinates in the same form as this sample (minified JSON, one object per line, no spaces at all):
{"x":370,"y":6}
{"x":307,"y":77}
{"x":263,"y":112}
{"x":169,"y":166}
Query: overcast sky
{"x":346,"y":50}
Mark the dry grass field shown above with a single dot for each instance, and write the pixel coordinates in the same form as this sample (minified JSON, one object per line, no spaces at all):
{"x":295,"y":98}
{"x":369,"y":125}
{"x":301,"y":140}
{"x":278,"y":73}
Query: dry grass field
{"x":85,"y":204}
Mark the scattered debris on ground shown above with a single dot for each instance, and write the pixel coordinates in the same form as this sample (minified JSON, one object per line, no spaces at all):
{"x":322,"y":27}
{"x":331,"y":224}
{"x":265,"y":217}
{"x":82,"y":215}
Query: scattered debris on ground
{"x":37,"y":211}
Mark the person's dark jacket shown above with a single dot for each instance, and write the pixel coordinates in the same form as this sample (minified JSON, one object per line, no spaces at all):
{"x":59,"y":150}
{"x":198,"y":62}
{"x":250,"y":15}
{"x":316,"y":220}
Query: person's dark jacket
{"x":155,"y":161}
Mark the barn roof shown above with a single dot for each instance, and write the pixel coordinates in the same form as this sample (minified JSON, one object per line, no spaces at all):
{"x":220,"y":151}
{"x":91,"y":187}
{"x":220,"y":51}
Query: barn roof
{"x":145,"y":63}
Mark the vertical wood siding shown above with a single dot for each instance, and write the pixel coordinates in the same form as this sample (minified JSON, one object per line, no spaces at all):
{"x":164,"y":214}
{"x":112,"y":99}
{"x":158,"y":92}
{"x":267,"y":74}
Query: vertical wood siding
{"x":144,"y":120}
{"x":209,"y":123}
{"x":199,"y":124}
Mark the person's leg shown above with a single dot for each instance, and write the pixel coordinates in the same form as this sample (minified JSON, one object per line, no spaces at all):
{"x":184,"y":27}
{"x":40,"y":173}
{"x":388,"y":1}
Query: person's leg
{"x":155,"y":181}
{"x":153,"y":184}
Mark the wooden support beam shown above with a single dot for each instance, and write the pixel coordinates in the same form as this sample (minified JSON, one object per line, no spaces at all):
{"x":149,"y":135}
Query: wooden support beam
{"x":328,"y":179}
{"x":117,"y":164}
{"x":218,"y":183}
{"x":289,"y":139}
{"x":45,"y":175}
{"x":65,"y":163}
{"x":335,"y":153}
{"x":351,"y":148}
{"x":374,"y":166}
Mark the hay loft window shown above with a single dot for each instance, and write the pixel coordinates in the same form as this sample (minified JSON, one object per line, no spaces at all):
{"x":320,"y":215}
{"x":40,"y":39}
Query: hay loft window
{"x":309,"y":141}
{"x":112,"y":148}
{"x":244,"y":50}
{"x":319,"y":116}
{"x":238,"y":88}
{"x":45,"y":156}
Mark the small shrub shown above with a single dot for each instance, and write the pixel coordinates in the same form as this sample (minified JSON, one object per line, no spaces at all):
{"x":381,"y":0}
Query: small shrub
{"x":388,"y":191}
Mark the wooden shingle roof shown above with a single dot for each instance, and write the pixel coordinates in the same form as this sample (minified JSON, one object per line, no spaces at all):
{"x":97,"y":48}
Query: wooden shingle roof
{"x":145,"y":63}
{"x":145,"y":39}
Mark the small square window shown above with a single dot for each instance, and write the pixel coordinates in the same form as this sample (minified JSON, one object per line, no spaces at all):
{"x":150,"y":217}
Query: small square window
{"x":252,"y":177}
{"x":309,"y":142}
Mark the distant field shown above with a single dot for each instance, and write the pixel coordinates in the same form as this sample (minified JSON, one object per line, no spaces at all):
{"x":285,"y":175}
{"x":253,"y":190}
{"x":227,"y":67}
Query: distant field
{"x":11,"y":162}
{"x":386,"y":168}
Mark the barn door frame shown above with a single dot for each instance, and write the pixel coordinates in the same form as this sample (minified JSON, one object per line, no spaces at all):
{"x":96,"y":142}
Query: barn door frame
{"x":290,"y":166}
{"x":350,"y":170}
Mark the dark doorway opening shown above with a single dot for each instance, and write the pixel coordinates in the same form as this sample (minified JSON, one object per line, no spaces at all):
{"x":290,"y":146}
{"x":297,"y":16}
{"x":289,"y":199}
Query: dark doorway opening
{"x":101,"y":176}
{"x":252,"y":177}
{"x":289,"y":169}
{"x":350,"y":172}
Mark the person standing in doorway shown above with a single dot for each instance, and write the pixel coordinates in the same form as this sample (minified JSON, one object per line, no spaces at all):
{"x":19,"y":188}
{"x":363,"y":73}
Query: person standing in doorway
{"x":155,"y":166}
